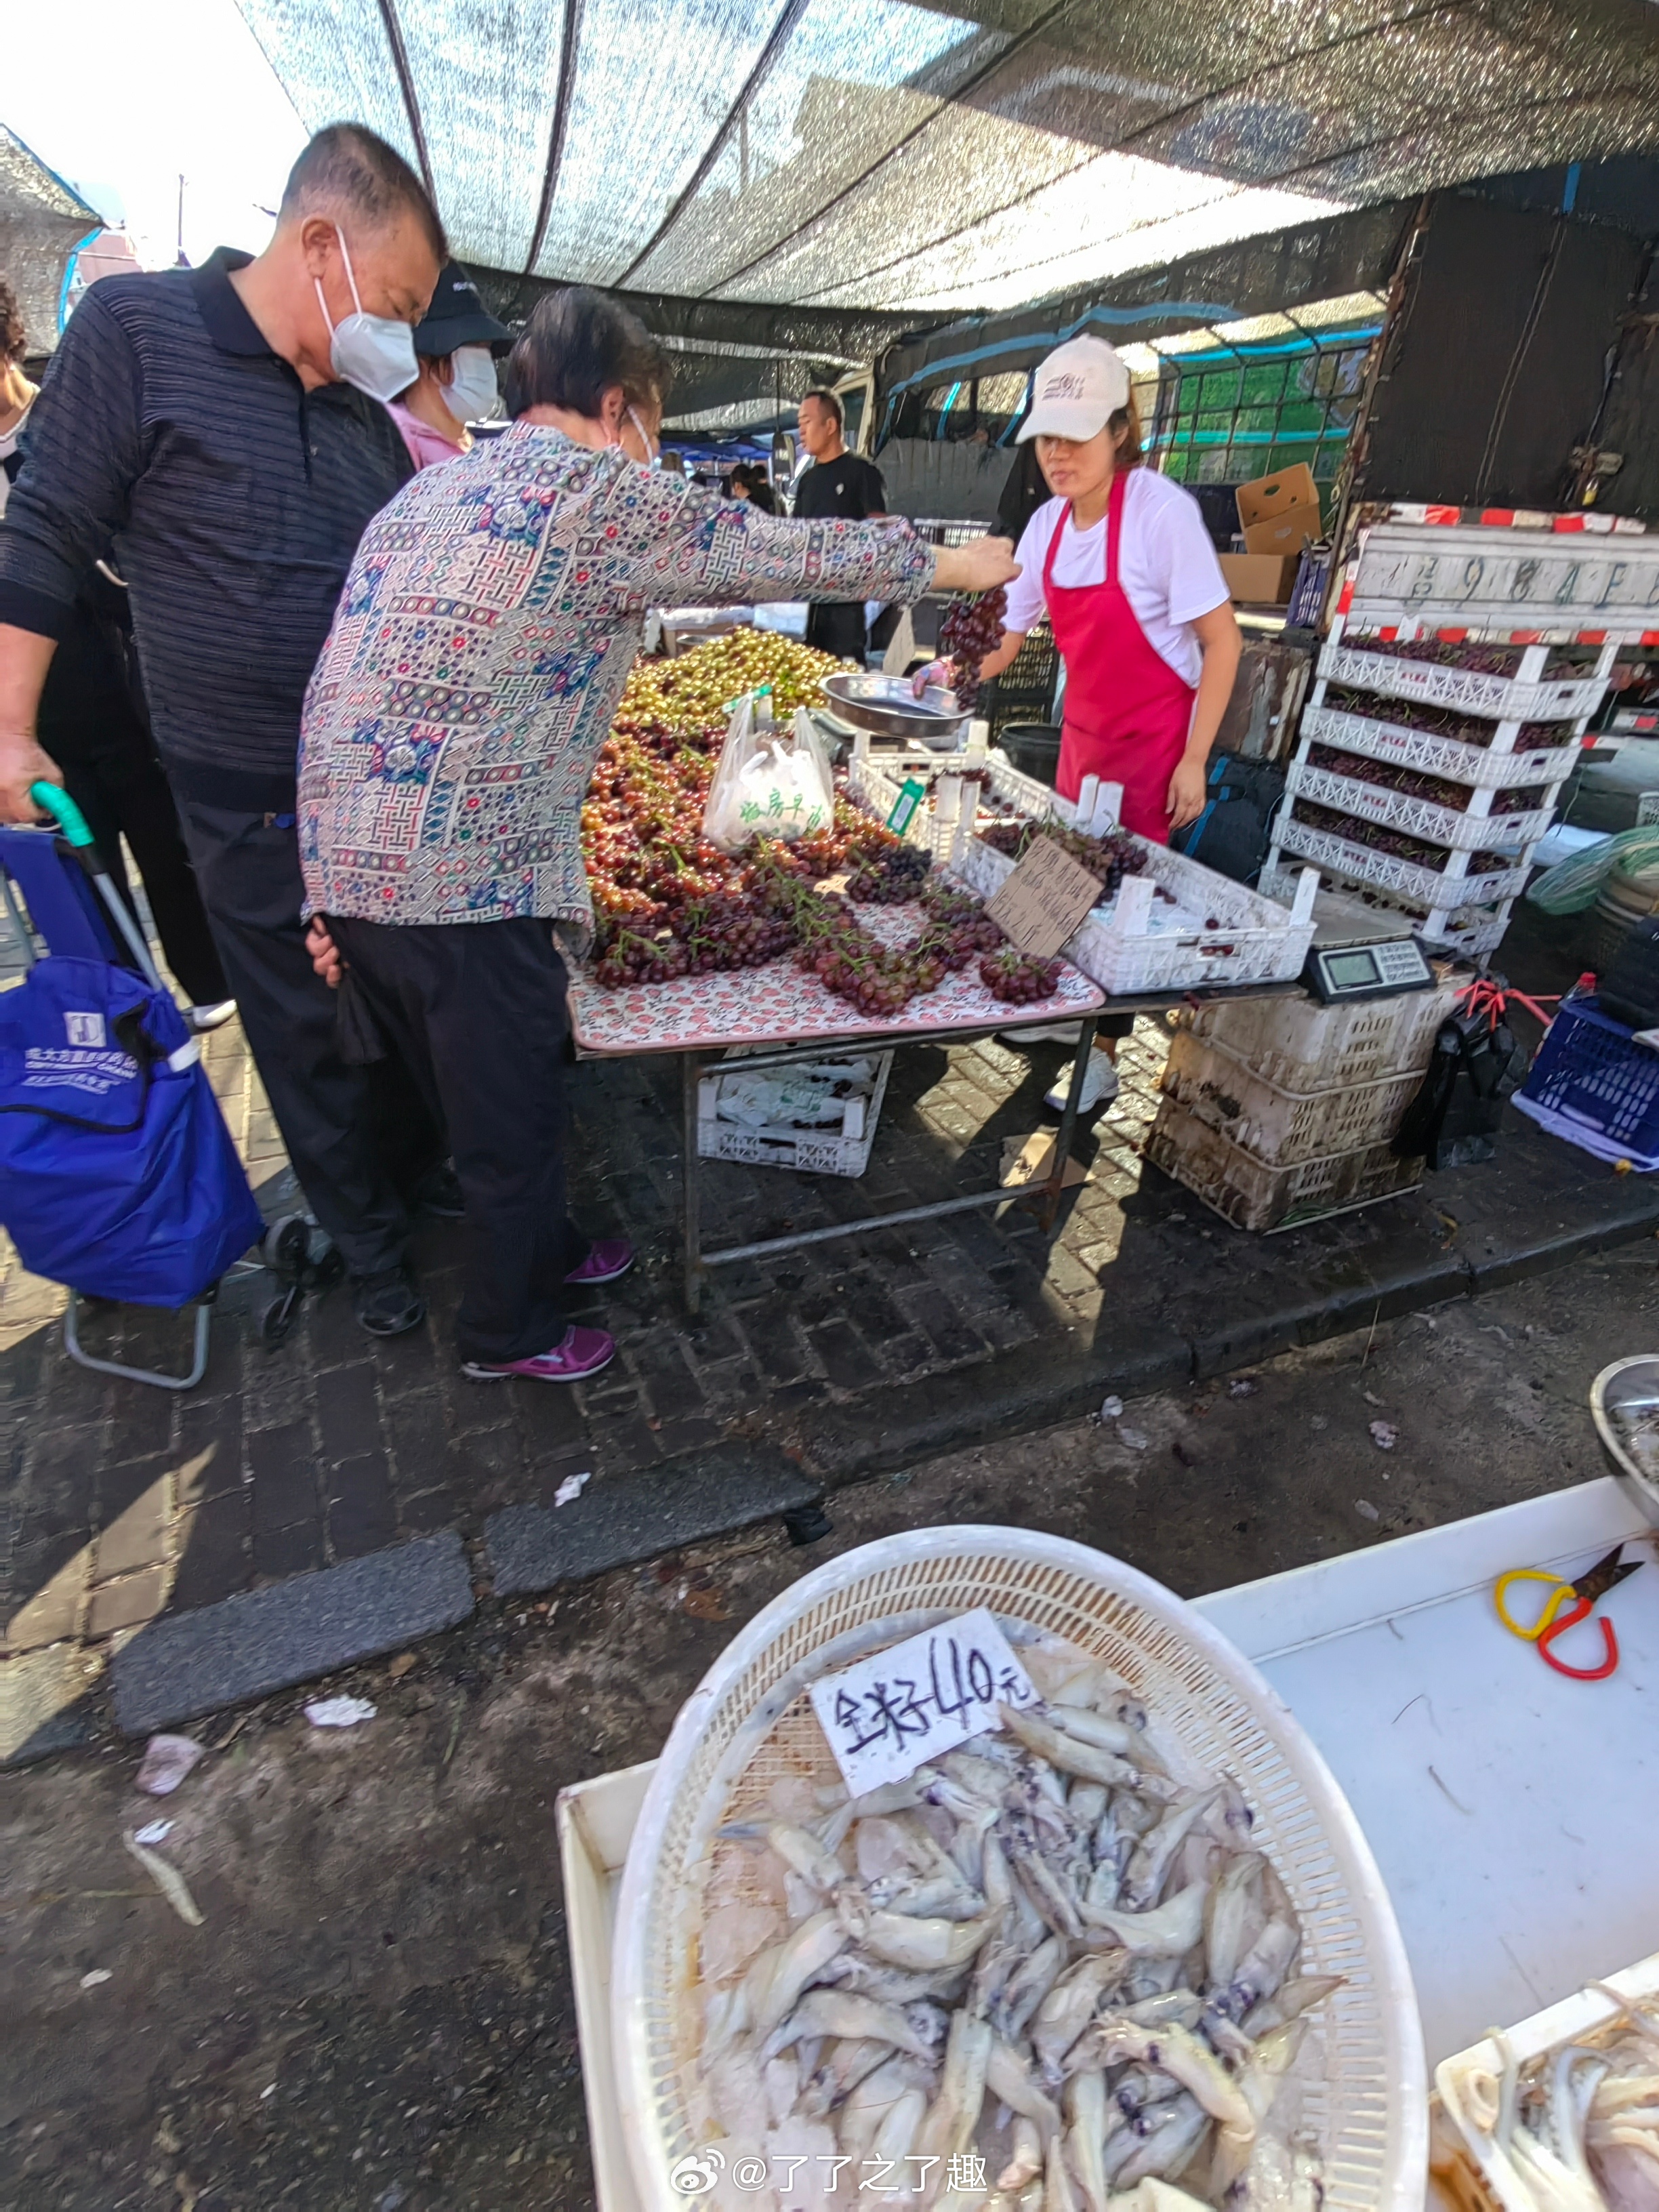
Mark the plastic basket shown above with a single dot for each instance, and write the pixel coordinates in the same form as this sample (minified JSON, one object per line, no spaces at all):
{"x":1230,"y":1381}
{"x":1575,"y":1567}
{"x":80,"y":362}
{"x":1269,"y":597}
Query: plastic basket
{"x":1278,"y":1127}
{"x":1302,"y":1046}
{"x":1495,"y":698}
{"x":1025,"y":692}
{"x":1484,"y":767}
{"x":1591,"y":1075}
{"x":828,"y":1151}
{"x":1458,"y":829}
{"x":1252,"y":1194}
{"x":1464,"y":2149}
{"x":1432,"y":888}
{"x":748,"y":1721}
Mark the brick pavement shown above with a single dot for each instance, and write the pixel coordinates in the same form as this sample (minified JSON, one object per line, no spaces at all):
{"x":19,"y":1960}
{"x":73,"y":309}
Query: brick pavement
{"x":120,"y":1501}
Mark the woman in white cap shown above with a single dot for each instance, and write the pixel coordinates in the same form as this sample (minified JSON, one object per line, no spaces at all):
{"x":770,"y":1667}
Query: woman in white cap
{"x":1122,"y":562}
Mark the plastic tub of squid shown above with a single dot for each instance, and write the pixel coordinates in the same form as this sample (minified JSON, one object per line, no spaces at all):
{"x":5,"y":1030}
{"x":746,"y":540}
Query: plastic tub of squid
{"x":1544,"y":2115}
{"x":1361,"y":2107}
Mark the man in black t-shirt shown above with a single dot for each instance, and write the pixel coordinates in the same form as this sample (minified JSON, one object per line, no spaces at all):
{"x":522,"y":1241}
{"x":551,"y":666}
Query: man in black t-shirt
{"x":840,"y":485}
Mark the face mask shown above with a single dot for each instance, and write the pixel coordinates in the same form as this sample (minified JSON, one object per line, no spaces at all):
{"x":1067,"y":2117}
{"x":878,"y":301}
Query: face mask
{"x":470,"y":395}
{"x":646,"y":440}
{"x":375,"y":352}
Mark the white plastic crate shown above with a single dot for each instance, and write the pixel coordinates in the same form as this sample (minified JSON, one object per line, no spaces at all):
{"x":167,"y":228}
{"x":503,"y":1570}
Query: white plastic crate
{"x":1465,"y":931}
{"x":750,"y":1722}
{"x":1566,"y":576}
{"x":1497,"y":698}
{"x":1439,"y":890}
{"x":821,"y":1150}
{"x":1251,"y":1195}
{"x":1466,"y":2160}
{"x":1459,"y":829}
{"x":1300,"y":1045}
{"x":1278,"y":1127}
{"x":1486,"y":768}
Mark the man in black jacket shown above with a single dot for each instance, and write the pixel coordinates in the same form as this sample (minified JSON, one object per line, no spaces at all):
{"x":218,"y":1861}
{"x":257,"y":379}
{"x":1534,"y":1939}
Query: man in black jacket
{"x":225,"y":427}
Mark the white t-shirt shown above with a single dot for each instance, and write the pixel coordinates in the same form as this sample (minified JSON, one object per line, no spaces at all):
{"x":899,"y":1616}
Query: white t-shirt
{"x":10,"y":440}
{"x":1166,"y":565}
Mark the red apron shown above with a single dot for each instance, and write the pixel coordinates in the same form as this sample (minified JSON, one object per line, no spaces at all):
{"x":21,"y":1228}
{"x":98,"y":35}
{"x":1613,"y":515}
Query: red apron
{"x":1126,"y":712}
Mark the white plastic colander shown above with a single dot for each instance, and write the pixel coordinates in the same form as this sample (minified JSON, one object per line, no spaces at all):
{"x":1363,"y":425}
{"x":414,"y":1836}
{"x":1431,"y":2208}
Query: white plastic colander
{"x":750,"y":1722}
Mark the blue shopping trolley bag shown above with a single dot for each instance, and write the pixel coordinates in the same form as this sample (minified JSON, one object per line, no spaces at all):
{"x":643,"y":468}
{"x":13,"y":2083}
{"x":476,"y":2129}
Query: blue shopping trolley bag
{"x":118,"y":1176}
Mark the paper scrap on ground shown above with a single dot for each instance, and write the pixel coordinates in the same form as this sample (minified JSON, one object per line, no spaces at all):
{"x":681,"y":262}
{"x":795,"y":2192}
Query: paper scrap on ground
{"x":167,"y":1879}
{"x":166,"y":1760}
{"x":1110,"y":1407}
{"x":1385,"y":1435}
{"x":153,"y":1831}
{"x":1033,"y":1161}
{"x":571,"y":1488}
{"x":885,"y":1716}
{"x":99,"y":1975}
{"x":1137,"y":1439}
{"x":339,"y":1712}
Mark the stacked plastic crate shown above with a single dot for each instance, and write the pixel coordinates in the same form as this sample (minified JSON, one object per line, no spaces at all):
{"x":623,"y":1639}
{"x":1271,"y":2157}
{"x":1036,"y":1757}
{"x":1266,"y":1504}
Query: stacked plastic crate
{"x":1459,"y":674}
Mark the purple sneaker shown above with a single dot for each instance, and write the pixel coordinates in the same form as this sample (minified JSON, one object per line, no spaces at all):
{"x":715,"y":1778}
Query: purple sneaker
{"x":581,"y":1353}
{"x":611,"y":1256}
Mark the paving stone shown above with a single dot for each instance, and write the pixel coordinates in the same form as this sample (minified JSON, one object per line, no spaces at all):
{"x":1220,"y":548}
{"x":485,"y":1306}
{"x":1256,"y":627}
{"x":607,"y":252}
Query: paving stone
{"x":362,"y":1516}
{"x":629,"y":1517}
{"x":284,"y":1470}
{"x":348,"y":1413}
{"x":43,"y":1707}
{"x":845,"y":1358}
{"x":126,"y":1604}
{"x":210,"y":1542}
{"x":264,"y":1640}
{"x":47,"y":1585}
{"x":294,"y":1549}
{"x":138,"y":1536}
{"x":426,"y":1511}
{"x":209,"y":1450}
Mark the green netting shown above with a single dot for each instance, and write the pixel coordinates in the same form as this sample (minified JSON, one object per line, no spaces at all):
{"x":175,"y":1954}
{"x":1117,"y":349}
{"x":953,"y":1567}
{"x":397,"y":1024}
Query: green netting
{"x":1572,"y":886}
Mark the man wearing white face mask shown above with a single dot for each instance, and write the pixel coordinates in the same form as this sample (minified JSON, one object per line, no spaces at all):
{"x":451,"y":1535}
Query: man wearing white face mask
{"x":455,"y":345}
{"x":225,"y":428}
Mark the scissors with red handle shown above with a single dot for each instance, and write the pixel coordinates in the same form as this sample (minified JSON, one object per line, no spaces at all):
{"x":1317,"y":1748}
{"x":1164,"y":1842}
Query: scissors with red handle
{"x":1567,"y":1604}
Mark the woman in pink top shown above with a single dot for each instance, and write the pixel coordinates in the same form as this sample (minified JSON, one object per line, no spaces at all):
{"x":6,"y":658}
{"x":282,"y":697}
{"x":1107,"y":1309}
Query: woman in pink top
{"x":455,"y":346}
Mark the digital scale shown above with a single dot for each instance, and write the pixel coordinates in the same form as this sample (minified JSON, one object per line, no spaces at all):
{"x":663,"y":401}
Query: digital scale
{"x":1362,"y":952}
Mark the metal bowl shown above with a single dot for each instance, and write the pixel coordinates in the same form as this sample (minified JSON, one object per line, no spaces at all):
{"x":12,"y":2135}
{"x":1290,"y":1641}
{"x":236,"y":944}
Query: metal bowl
{"x":886,"y":707}
{"x":1625,"y":1407}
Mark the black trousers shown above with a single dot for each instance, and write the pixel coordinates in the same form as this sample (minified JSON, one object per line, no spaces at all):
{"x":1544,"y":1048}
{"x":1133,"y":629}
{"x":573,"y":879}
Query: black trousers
{"x":126,"y":795}
{"x":478,"y":1012}
{"x":838,"y":628}
{"x":358,"y":1137}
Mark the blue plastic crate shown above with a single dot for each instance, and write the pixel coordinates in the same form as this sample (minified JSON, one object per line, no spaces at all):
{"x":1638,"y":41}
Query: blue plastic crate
{"x":1591,"y":1070}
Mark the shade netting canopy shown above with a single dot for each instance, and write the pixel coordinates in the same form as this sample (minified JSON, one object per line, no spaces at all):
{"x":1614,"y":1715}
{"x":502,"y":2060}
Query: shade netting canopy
{"x":926,"y":159}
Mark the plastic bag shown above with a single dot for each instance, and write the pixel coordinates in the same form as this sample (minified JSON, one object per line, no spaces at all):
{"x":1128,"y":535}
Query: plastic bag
{"x":768,"y":785}
{"x":1571,"y":885}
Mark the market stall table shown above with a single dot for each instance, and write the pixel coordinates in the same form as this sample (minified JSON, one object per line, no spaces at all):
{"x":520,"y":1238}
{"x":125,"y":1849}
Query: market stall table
{"x":779,"y":1015}
{"x":1509,"y":1810}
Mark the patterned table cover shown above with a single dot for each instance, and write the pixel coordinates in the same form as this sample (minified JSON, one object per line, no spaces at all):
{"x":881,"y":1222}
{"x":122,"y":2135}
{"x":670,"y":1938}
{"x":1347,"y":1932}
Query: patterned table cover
{"x":779,"y":1004}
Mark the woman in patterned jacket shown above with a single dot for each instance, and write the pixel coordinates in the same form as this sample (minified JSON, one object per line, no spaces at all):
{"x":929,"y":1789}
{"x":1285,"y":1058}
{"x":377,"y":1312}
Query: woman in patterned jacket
{"x":478,"y":654}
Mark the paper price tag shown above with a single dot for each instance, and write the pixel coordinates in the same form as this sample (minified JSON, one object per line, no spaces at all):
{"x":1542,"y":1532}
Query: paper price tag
{"x":1043,"y":900}
{"x":890,"y":1714}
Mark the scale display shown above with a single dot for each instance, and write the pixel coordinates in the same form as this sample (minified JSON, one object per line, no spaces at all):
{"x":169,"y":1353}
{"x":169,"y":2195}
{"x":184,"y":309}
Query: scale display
{"x":1367,"y":971}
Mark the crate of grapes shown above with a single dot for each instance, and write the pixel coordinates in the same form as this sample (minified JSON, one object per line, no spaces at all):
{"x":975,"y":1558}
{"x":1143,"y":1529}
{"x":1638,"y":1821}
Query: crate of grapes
{"x":1503,"y":683}
{"x":1394,"y":861}
{"x":1433,"y":808}
{"x":1486,"y":755}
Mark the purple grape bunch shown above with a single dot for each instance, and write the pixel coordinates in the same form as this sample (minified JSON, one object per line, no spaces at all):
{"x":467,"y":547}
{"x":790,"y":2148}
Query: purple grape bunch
{"x":971,"y":628}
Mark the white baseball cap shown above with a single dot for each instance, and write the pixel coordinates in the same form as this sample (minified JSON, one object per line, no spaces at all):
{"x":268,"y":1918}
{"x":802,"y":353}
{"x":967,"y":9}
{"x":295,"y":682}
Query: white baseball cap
{"x":1077,"y":391}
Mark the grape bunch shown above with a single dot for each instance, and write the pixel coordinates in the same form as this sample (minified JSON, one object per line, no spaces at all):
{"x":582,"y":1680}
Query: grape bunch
{"x":1017,"y":979}
{"x":720,"y":934}
{"x":1479,"y":658}
{"x":1107,"y":858}
{"x":628,"y":957}
{"x":1442,"y":722}
{"x":1395,"y":843}
{"x":889,"y":876}
{"x":971,"y":628}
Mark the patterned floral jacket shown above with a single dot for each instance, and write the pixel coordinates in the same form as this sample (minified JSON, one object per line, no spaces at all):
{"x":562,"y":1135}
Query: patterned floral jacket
{"x":479,"y":649}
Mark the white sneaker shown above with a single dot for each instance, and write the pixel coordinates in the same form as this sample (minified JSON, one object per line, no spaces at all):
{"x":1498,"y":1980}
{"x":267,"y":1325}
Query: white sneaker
{"x":201,"y":1019}
{"x":1099,"y":1086}
{"x":1056,"y":1033}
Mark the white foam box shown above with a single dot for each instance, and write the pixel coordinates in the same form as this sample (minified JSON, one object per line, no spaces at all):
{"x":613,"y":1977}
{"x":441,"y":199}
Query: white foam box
{"x":826,"y":1150}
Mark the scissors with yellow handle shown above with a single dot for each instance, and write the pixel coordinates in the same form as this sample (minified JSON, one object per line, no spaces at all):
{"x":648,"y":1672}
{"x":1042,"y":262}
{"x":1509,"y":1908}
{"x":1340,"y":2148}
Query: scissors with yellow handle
{"x":1581,"y":1596}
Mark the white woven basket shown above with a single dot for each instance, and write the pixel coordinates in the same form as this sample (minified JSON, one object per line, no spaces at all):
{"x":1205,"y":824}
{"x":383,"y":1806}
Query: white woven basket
{"x":749,"y":1723}
{"x":1485,"y":768}
{"x":1460,"y":831}
{"x":1497,"y":698}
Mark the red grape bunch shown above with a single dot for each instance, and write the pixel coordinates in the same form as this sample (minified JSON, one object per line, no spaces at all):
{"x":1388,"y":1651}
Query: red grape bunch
{"x":1017,"y":979}
{"x":971,"y":629}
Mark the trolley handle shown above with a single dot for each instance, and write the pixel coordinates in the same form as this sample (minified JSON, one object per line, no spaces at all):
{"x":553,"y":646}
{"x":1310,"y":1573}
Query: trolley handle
{"x":52,"y":799}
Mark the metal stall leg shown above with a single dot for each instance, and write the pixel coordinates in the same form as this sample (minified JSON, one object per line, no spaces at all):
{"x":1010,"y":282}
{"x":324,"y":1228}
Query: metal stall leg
{"x":690,"y":1224}
{"x":1085,"y":1045}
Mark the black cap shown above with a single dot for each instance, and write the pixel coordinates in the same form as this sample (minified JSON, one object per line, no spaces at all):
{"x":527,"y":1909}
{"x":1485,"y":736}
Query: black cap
{"x":458,"y":317}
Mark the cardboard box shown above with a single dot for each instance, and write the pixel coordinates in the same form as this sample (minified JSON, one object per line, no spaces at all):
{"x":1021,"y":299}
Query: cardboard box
{"x":1278,"y":513}
{"x":1260,"y":579}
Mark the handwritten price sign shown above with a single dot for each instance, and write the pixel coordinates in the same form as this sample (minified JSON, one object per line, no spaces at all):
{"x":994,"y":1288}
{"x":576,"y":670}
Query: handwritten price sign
{"x":890,"y":1714}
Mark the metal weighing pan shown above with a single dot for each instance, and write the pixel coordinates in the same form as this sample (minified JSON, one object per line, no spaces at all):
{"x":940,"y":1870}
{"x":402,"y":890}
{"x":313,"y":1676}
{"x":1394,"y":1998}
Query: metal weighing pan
{"x":886,"y":707}
{"x":1624,"y":1406}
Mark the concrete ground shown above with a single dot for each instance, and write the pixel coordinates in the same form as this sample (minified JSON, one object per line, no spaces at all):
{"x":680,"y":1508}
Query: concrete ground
{"x":375,"y":2014}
